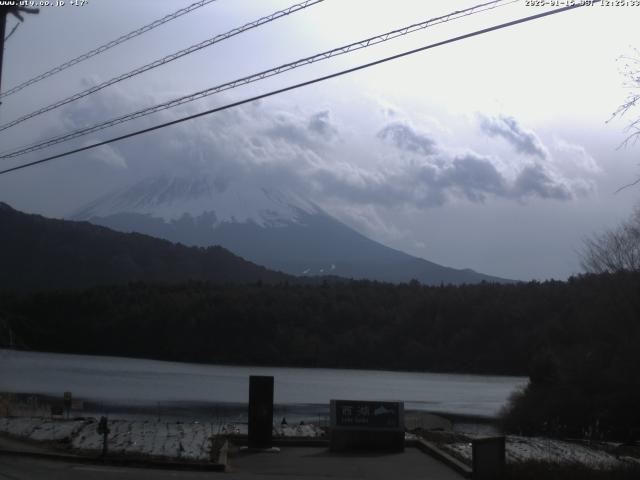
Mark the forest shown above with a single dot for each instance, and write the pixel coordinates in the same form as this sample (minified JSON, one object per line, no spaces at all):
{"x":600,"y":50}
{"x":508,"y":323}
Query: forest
{"x":576,"y":340}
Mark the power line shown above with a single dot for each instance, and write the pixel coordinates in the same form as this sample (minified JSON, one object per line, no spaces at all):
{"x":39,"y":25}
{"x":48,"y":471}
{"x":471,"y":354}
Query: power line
{"x":165,"y":60}
{"x":107,"y":46}
{"x":300,"y":85}
{"x":259,"y":76}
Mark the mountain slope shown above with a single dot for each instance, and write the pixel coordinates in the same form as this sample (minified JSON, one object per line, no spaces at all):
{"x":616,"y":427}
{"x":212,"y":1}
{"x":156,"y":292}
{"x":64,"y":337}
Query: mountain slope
{"x":273,"y":228}
{"x":41,"y":253}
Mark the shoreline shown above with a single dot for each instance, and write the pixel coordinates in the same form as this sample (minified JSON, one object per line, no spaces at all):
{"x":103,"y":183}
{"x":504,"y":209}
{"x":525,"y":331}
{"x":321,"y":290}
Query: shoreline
{"x":194,"y":410}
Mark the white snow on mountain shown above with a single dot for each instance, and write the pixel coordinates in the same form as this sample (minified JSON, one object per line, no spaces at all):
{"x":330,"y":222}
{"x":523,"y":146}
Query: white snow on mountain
{"x":170,"y":198}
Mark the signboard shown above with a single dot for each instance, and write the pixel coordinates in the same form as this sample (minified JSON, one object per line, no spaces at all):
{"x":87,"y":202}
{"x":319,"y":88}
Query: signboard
{"x":366,"y":425}
{"x":349,"y":413}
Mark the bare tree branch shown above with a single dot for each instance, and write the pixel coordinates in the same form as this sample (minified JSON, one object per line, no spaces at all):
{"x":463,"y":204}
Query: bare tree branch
{"x":614,"y":250}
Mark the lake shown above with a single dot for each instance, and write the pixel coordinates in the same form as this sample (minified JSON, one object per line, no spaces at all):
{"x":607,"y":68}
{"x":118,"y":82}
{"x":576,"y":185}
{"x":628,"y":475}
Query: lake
{"x":129,"y":381}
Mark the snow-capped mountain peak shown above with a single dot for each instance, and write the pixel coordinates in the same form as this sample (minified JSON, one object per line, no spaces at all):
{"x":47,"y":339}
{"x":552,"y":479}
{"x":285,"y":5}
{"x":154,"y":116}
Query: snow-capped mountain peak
{"x":170,"y":198}
{"x":268,"y":226}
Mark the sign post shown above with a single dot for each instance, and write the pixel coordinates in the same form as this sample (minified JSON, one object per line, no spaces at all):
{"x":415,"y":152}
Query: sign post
{"x":103,"y":429}
{"x":360,"y":425}
{"x":260,"y":412}
{"x":488,"y":458}
{"x":67,"y":403}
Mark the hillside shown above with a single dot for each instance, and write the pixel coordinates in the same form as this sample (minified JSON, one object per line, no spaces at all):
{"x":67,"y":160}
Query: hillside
{"x":41,"y":253}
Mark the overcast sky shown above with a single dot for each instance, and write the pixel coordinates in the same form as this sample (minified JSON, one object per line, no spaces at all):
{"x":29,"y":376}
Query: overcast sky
{"x":491,"y":153}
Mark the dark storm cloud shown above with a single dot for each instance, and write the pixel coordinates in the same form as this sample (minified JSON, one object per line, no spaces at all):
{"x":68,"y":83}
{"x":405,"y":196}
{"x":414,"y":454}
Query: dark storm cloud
{"x":533,"y":180}
{"x":475,"y":177}
{"x":289,"y":132}
{"x":470,"y":176}
{"x":442,"y":175}
{"x":306,"y":131}
{"x":320,"y":123}
{"x":406,"y":138}
{"x":509,"y":129}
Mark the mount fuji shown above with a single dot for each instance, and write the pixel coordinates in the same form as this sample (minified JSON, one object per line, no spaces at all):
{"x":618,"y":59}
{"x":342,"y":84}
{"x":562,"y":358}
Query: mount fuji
{"x":267,"y":226}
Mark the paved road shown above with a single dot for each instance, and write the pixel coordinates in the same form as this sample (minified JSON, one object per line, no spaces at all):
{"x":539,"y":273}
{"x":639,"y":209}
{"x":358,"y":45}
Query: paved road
{"x":24,"y":468}
{"x":291,"y":463}
{"x":318,"y":463}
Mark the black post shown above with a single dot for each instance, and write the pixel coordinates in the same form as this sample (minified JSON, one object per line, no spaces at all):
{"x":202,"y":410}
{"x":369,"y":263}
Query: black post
{"x":488,"y":457}
{"x":260,"y":411}
{"x":103,"y":428}
{"x":67,"y":403}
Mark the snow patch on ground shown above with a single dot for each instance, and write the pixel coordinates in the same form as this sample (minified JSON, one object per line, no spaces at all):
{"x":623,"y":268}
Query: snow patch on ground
{"x":41,"y":429}
{"x":305,"y":430}
{"x":521,"y":449}
{"x":186,"y":441}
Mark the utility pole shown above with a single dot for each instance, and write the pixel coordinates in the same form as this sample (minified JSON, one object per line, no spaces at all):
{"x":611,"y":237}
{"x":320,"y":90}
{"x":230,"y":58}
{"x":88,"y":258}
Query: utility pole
{"x":3,"y":22}
{"x":17,"y":12}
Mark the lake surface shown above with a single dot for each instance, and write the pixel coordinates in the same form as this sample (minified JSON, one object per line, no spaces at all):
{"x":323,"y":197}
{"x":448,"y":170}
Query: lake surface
{"x":131,"y":381}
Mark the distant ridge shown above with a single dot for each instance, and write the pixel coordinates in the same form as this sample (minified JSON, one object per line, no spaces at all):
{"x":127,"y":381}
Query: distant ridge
{"x":42,"y":253}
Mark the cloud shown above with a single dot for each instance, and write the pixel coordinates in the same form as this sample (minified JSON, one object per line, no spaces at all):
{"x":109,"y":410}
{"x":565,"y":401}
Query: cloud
{"x":508,"y":128}
{"x":576,"y":156}
{"x":308,"y":131}
{"x":406,"y":138}
{"x":475,"y":177}
{"x":108,"y":155}
{"x":286,"y":147}
{"x":289,"y":132}
{"x":469,"y":176}
{"x":444,"y":174}
{"x":368,"y":218}
{"x":320,"y":123}
{"x":534,"y":180}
